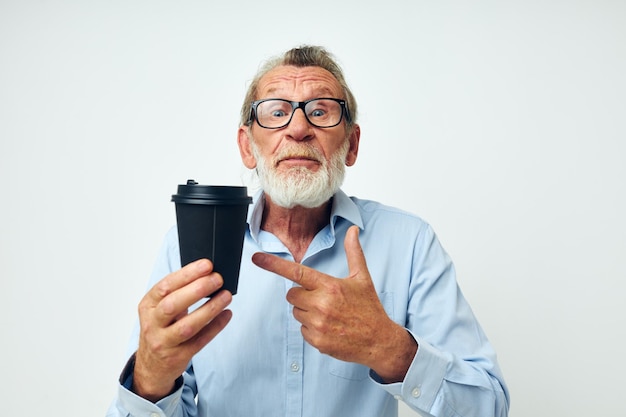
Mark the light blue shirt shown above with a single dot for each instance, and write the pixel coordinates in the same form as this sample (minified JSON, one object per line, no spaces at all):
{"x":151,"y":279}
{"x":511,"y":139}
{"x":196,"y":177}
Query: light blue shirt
{"x":260,"y":365}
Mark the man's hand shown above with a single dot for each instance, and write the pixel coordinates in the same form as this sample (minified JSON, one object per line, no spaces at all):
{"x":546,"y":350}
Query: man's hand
{"x":170,"y":336}
{"x":344,"y":317}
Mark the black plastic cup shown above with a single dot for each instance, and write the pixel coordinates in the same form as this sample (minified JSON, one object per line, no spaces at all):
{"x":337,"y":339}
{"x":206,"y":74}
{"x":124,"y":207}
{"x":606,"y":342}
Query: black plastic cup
{"x":211,"y":222}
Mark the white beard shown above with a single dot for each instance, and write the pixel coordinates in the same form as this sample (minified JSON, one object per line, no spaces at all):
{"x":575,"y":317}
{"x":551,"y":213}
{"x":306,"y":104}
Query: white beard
{"x":299,"y":186}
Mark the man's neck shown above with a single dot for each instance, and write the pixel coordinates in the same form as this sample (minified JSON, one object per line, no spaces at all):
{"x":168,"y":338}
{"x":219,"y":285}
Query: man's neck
{"x":295,"y":227}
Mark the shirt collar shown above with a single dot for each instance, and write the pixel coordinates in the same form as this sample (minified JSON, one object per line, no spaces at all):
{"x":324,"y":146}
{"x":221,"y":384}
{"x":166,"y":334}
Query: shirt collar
{"x":343,"y":207}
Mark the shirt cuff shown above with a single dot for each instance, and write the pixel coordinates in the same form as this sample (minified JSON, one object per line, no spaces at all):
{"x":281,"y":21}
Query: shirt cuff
{"x":140,"y":407}
{"x":422,"y":381}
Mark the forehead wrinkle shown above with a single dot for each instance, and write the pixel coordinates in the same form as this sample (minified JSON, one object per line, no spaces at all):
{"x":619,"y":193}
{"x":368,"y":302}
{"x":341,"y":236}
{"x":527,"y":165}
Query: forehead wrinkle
{"x":298,"y":81}
{"x":323,"y":91}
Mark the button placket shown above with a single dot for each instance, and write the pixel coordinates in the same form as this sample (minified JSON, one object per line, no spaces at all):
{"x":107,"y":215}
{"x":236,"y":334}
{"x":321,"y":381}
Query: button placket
{"x":295,"y":356}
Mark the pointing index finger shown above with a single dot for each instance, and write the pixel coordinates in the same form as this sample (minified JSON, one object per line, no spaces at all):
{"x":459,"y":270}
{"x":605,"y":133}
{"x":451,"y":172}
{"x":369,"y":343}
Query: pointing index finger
{"x":306,"y":277}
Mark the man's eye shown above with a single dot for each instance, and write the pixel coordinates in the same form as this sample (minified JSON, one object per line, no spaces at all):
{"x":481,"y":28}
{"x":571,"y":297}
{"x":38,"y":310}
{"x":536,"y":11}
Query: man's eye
{"x":278,"y":113}
{"x":318,"y":113}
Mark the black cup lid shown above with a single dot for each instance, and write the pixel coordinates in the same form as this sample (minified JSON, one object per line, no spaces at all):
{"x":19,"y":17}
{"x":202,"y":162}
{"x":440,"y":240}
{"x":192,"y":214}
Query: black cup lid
{"x":194,"y":193}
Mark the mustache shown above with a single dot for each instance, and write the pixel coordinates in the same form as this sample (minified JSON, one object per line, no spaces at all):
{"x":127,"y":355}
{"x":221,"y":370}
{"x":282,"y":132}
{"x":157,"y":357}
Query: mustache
{"x":299,"y":151}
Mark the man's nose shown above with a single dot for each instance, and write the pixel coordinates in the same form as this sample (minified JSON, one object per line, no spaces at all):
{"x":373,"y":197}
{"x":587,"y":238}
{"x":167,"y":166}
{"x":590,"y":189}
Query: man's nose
{"x":299,"y":128}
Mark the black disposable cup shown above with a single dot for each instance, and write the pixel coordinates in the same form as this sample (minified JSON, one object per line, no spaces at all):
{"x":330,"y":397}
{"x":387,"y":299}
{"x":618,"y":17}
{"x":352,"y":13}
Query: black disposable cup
{"x":211,"y":222}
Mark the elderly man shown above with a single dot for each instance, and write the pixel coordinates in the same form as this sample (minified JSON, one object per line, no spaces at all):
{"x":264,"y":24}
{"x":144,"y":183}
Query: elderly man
{"x":344,"y":305}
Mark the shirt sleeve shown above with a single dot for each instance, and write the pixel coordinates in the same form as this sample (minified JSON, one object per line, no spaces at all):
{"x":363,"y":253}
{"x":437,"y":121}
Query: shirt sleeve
{"x":180,"y":403}
{"x":455,"y":371}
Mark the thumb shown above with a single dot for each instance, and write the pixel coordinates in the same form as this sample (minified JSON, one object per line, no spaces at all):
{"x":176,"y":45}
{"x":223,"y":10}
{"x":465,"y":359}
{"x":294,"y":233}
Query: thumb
{"x":354,"y":253}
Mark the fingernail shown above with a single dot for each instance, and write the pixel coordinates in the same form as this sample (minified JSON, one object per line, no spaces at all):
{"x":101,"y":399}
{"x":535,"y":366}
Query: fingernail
{"x":259,"y":259}
{"x":224,"y":297}
{"x":203,"y":265}
{"x":216,"y":280}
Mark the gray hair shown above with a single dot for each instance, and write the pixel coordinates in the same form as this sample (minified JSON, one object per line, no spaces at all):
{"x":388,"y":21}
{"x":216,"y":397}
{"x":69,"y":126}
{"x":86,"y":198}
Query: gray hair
{"x":302,"y":56}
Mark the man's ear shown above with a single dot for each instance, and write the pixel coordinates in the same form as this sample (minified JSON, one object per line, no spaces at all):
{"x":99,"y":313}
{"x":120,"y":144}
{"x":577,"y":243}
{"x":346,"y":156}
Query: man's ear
{"x":245,"y":148}
{"x":353,"y":151}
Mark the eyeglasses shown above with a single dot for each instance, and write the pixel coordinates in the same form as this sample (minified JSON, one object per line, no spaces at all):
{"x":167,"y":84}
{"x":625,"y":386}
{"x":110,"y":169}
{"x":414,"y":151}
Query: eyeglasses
{"x":274,"y":113}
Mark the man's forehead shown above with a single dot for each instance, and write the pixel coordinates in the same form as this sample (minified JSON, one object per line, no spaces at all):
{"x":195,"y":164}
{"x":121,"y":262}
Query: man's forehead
{"x":290,"y":78}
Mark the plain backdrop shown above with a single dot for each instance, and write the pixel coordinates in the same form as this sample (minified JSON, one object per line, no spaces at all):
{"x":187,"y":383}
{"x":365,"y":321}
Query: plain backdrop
{"x":502,"y":123}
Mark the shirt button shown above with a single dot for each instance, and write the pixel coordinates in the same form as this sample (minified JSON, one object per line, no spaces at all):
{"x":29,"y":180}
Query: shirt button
{"x":154,"y":415}
{"x":416,"y":392}
{"x":295,"y":367}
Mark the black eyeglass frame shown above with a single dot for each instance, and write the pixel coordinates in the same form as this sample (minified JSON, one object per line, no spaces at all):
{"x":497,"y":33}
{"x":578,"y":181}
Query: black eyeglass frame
{"x":299,"y":105}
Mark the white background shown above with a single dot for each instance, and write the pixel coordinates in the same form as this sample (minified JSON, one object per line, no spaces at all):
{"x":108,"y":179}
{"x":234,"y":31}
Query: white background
{"x":502,"y":123}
